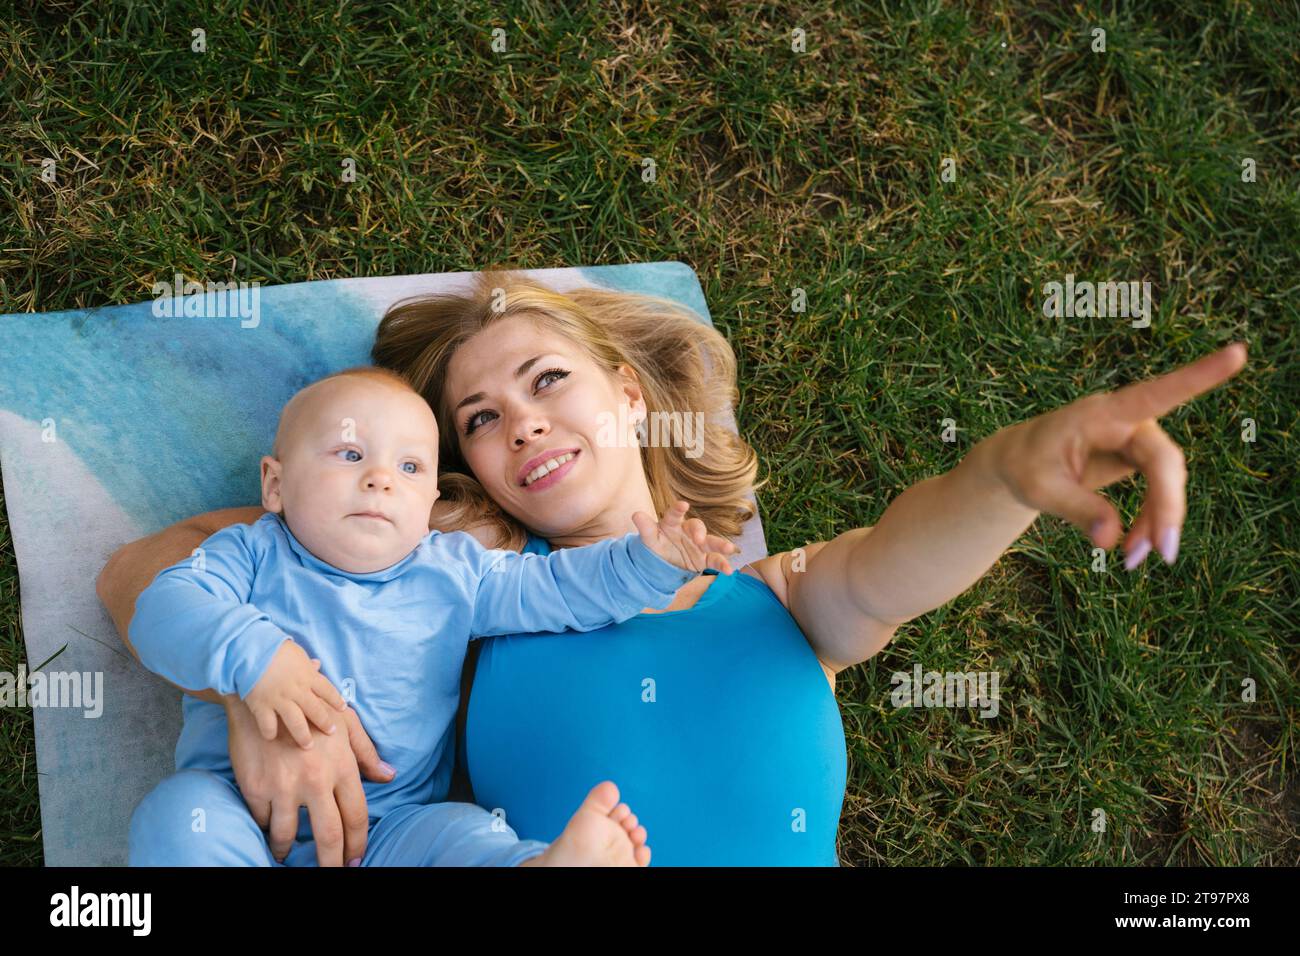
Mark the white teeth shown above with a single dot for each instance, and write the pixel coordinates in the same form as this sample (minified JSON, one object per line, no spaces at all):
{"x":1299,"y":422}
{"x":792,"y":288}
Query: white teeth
{"x":546,"y":467}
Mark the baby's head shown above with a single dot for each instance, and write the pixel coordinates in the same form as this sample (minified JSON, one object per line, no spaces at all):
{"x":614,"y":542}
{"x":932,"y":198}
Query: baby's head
{"x":358,"y":441}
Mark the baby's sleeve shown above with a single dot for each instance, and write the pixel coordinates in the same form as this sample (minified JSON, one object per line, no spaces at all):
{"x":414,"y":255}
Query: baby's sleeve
{"x":194,"y":626}
{"x":571,"y":588}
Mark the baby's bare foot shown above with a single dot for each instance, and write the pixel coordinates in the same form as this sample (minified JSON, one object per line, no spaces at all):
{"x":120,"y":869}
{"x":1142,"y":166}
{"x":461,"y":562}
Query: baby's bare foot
{"x":603,"y":832}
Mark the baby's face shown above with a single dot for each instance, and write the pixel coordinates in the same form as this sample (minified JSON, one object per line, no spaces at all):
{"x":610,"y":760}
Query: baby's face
{"x":357,"y":474}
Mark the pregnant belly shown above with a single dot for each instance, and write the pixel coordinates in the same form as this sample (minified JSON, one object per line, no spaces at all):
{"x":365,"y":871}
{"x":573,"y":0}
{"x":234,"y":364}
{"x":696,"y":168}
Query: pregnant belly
{"x":727,"y":746}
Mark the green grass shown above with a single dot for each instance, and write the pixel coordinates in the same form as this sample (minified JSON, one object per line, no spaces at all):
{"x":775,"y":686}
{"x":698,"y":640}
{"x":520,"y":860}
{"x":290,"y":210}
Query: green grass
{"x":779,"y":170}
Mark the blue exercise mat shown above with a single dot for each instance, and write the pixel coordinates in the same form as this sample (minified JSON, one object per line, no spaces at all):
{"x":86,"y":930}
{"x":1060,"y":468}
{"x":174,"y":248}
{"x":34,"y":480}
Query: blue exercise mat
{"x":116,"y":422}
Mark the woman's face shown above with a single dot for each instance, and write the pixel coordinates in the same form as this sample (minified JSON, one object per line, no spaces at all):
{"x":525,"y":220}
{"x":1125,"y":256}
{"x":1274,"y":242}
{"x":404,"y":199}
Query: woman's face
{"x":521,"y":395}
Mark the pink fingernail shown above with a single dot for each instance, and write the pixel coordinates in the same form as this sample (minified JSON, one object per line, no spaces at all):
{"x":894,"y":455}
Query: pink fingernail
{"x":355,"y":861}
{"x":1169,"y":545}
{"x":1137,"y":554}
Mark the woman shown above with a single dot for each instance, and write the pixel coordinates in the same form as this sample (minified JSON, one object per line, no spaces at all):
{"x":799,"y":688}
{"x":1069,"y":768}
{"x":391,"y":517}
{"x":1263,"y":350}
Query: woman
{"x":715,"y":717}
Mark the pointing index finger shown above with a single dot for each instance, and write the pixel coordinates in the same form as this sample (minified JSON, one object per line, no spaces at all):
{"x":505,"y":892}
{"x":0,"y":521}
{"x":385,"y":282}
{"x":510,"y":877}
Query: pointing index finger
{"x":1159,"y":396}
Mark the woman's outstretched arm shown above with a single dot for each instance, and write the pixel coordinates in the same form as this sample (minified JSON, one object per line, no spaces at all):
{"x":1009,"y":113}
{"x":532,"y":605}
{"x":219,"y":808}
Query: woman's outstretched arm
{"x":133,"y":566}
{"x":941,"y":535}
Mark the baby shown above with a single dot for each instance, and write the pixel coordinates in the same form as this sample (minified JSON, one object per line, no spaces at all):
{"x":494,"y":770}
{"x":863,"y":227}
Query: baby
{"x":344,"y":574}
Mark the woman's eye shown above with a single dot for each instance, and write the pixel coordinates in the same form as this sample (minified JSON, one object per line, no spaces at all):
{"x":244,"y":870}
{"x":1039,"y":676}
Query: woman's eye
{"x":561,"y":373}
{"x":473,"y":423}
{"x":349,"y":451}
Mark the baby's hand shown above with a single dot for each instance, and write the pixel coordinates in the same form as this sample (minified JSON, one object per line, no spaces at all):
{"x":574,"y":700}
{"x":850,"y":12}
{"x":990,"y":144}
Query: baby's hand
{"x":686,"y":544}
{"x":292,"y":689}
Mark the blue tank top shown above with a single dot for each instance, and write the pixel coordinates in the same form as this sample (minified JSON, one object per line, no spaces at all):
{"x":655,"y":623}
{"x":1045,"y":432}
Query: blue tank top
{"x":716,"y":722}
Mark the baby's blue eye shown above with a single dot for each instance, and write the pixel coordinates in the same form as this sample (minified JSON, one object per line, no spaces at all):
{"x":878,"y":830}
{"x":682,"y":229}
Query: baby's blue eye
{"x":413,"y":465}
{"x":350,"y":451}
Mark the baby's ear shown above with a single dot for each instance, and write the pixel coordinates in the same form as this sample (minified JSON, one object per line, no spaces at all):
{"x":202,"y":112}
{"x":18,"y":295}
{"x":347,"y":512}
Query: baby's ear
{"x":271,"y":484}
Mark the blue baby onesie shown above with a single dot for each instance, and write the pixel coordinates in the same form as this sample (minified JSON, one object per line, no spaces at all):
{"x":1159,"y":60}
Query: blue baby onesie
{"x":392,"y":641}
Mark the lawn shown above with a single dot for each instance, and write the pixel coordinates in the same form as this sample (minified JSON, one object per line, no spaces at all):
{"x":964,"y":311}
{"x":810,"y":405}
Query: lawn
{"x":787,"y":162}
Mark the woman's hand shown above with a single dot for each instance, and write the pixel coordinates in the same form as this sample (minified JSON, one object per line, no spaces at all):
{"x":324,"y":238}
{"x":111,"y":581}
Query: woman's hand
{"x":686,"y":544}
{"x":1056,"y":462}
{"x":277,"y":777}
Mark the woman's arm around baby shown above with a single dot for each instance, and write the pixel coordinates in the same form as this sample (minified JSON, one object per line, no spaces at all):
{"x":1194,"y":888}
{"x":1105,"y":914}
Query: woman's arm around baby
{"x":276,"y":777}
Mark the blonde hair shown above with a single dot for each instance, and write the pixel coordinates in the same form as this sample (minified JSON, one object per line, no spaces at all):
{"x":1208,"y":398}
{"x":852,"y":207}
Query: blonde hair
{"x":680,"y":363}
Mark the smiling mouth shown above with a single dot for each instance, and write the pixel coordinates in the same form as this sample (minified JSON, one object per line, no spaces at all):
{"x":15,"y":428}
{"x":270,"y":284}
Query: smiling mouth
{"x":546,"y":468}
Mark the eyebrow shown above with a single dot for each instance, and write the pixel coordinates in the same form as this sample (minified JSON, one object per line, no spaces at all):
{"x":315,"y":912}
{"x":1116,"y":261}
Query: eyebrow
{"x":479,"y":396}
